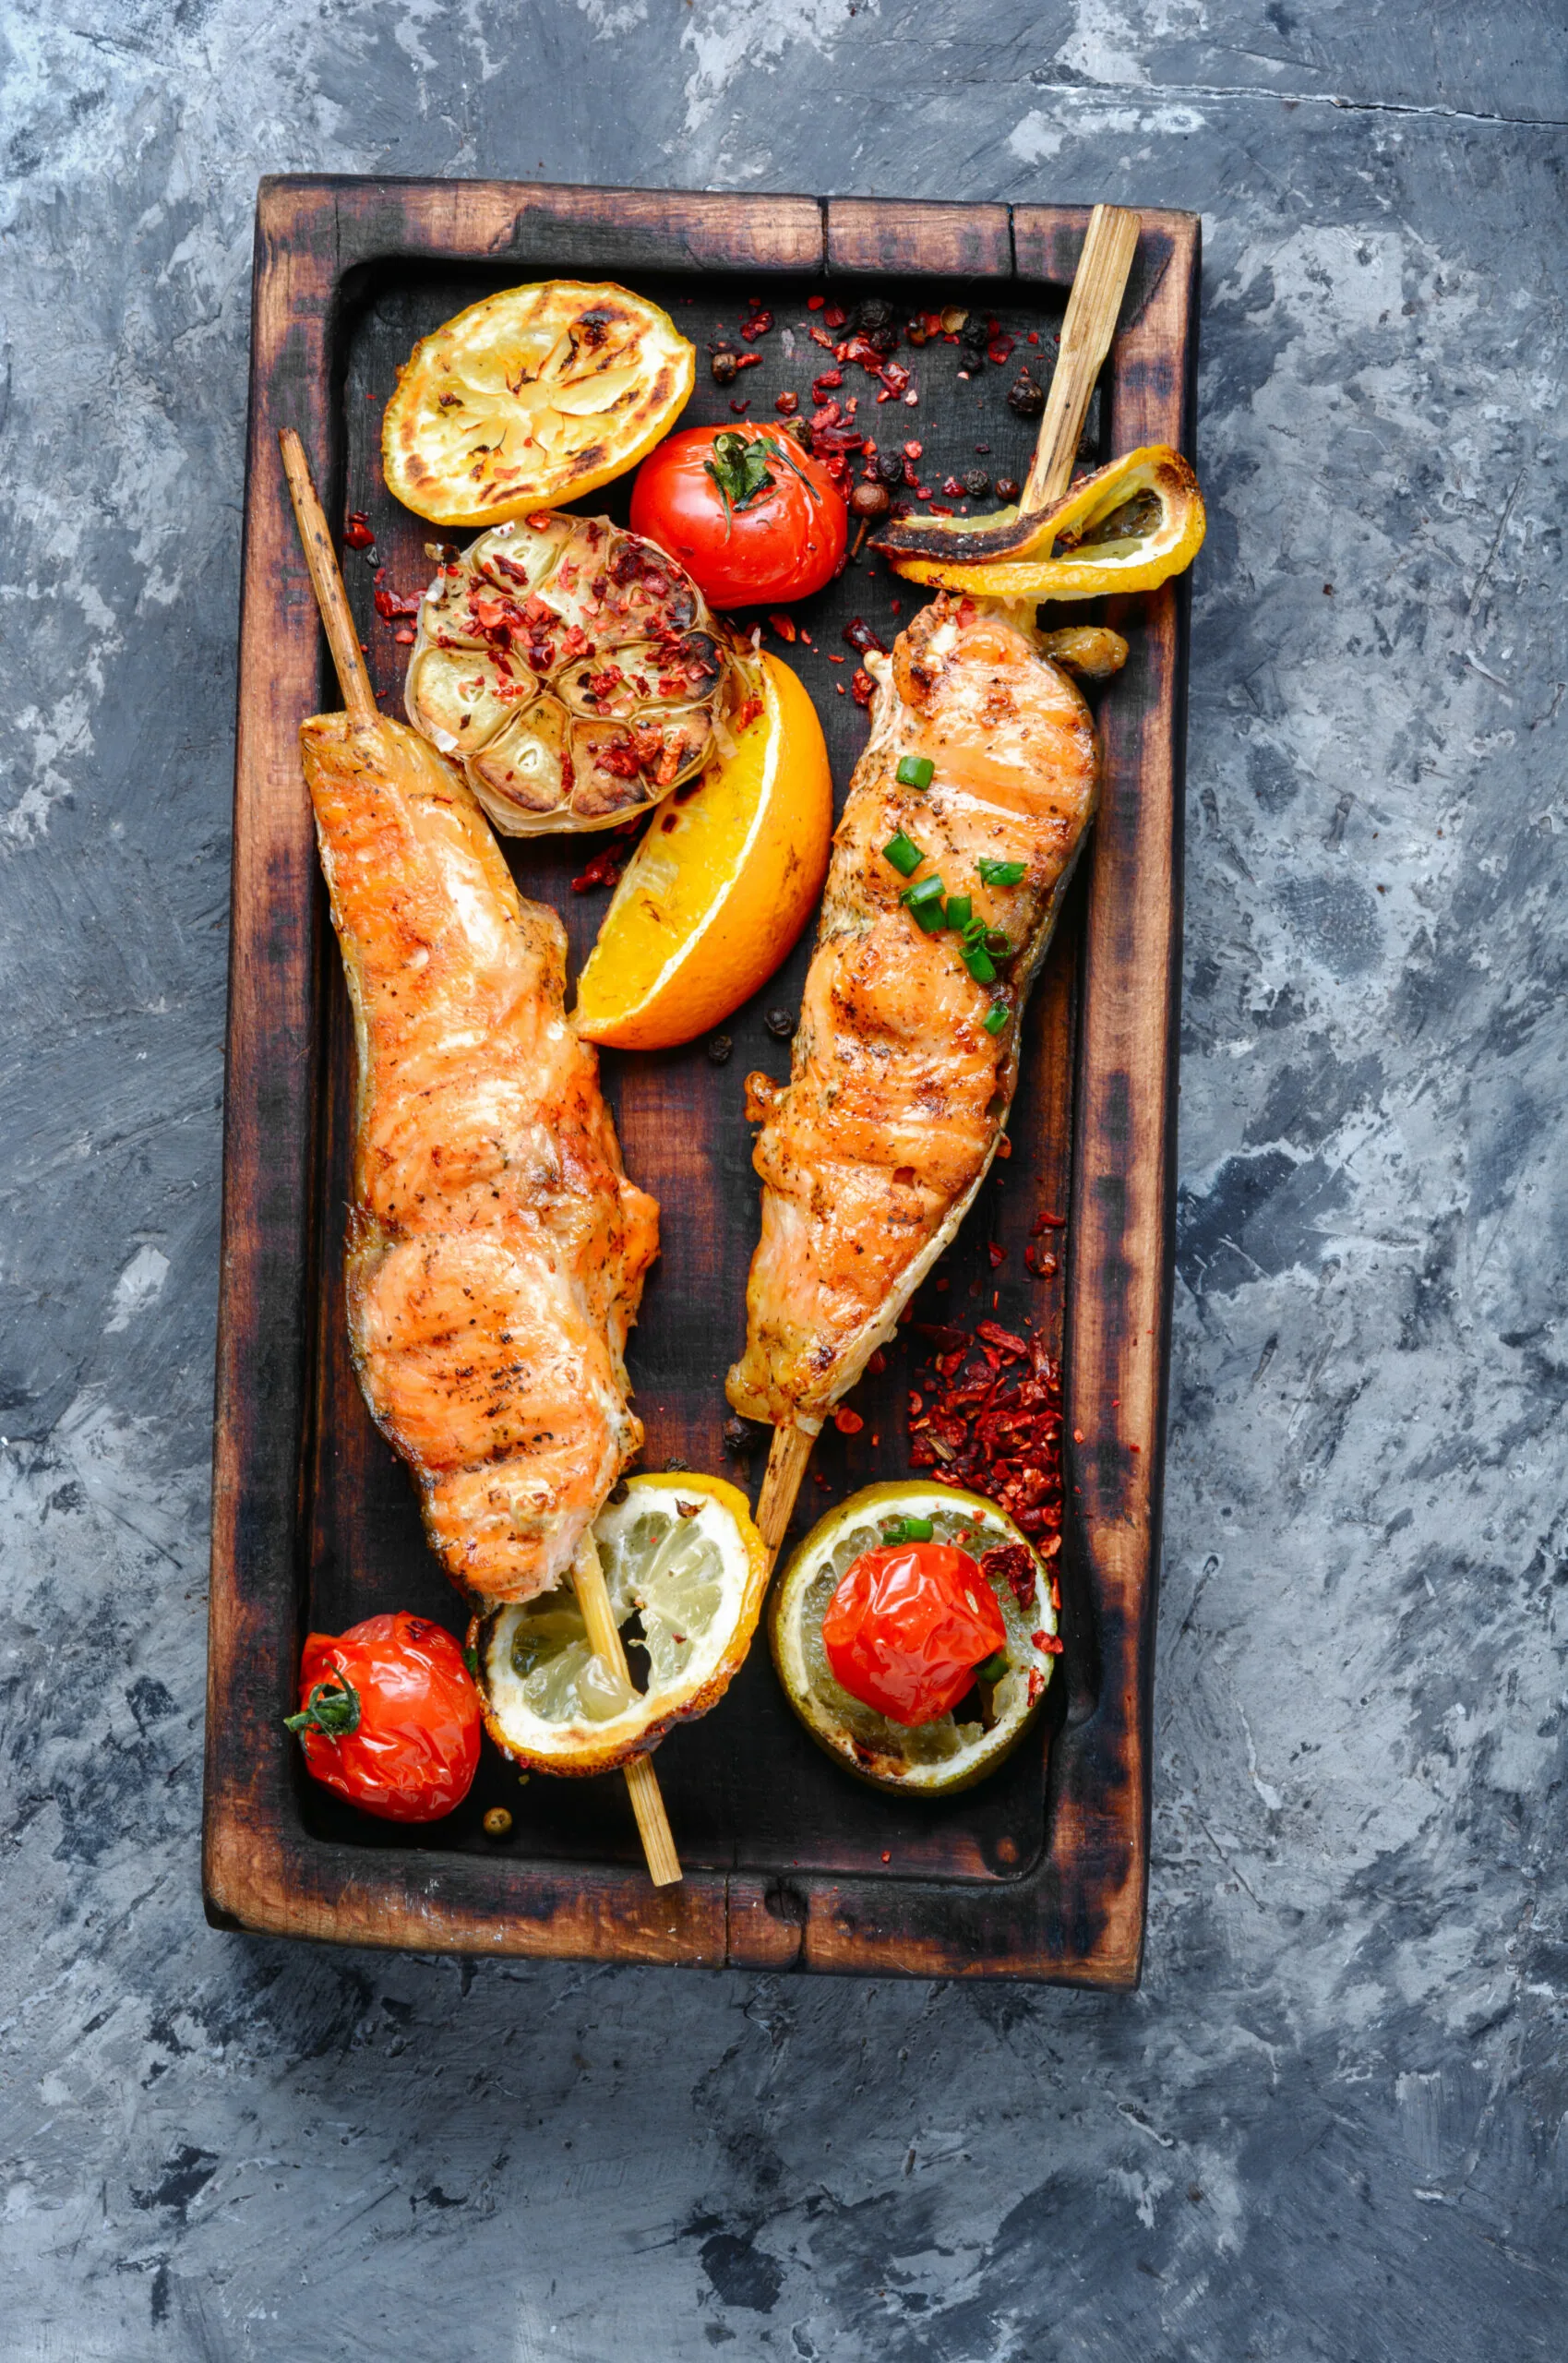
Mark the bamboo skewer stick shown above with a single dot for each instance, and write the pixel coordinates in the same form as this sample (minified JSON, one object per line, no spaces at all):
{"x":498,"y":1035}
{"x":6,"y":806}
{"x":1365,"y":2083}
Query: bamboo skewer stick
{"x":328,"y":582}
{"x":588,"y":1577}
{"x":1093,"y":305}
{"x":641,"y":1781}
{"x":1098,"y":285}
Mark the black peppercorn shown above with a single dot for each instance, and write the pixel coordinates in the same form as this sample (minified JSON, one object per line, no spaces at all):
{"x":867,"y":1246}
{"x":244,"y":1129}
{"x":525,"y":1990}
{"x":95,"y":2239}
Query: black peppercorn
{"x":890,"y":467}
{"x":974,"y":335}
{"x":871,"y":500}
{"x":673,"y":1463}
{"x":976,"y":482}
{"x":780,"y":1022}
{"x":872,"y":316}
{"x":1024,"y":395}
{"x":726,"y":367}
{"x":719,"y":1047}
{"x":1006,"y":489}
{"x":738,"y":1439}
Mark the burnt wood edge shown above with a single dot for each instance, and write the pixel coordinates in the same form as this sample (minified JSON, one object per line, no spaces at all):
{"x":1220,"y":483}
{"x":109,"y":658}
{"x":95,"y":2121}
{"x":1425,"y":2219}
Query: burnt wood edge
{"x":245,"y":1864}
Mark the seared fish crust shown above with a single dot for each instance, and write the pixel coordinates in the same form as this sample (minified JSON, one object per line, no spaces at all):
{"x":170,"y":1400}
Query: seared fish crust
{"x":497,"y":1249}
{"x":898,"y":1095}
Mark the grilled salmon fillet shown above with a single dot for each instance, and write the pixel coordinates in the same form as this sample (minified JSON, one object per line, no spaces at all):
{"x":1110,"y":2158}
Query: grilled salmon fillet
{"x":898,"y":1094}
{"x":497,"y":1249}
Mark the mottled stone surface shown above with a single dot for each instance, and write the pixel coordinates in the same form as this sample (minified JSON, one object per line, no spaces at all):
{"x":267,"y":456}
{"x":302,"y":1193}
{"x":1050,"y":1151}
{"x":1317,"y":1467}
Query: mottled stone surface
{"x":1332,"y":2124}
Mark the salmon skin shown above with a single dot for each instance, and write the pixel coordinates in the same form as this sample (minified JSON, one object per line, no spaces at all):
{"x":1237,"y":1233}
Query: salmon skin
{"x":898,"y":1095}
{"x":495,"y":1248}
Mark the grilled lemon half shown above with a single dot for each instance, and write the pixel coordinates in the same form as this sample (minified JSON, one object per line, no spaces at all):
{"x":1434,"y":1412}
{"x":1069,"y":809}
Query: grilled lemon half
{"x":533,"y":397}
{"x":681,"y":1555}
{"x":921,"y":1759}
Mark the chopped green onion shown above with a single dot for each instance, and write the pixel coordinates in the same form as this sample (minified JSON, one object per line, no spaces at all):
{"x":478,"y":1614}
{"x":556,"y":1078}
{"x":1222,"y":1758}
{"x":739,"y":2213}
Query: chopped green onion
{"x":991,"y":1669}
{"x":925,"y":890}
{"x":915,"y":771}
{"x":978,"y":962}
{"x":930,"y":916}
{"x":904,"y":853}
{"x":1000,"y":873}
{"x":996,"y":1017}
{"x":997,"y":944}
{"x":960,"y":911}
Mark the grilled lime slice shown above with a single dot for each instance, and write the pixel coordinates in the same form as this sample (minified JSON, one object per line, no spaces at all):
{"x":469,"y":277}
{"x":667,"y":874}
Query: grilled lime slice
{"x":924,"y":1759}
{"x":682,"y":1558}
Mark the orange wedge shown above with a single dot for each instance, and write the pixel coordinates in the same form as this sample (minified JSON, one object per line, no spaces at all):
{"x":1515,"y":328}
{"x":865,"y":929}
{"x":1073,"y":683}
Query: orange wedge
{"x":720,"y":888}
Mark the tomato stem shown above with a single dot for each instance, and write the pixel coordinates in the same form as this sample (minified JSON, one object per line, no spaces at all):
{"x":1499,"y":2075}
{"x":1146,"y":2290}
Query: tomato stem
{"x":332,"y":1709}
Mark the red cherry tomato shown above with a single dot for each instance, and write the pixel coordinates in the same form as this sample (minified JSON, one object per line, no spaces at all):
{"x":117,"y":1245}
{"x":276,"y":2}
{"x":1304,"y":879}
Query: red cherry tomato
{"x":907,"y":1626}
{"x":389,"y":1717}
{"x":702,"y":495}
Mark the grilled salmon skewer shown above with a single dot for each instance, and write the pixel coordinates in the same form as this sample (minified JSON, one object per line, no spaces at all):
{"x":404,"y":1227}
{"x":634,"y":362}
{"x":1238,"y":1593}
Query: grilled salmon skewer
{"x":497,"y":1248}
{"x":906,"y":1055}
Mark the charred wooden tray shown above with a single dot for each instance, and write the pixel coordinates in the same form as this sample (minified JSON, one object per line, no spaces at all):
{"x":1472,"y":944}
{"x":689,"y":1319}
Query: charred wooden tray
{"x":1041,"y":1871}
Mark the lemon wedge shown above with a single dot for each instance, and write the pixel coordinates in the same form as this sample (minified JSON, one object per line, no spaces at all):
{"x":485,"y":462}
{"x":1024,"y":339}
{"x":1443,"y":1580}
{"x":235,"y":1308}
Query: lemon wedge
{"x":957,"y":1749}
{"x":531,"y":396}
{"x":685,"y":1570}
{"x":720,"y":888}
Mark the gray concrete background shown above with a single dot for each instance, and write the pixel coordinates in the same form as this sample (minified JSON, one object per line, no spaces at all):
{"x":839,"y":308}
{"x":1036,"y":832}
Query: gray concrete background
{"x":1332,"y":2123}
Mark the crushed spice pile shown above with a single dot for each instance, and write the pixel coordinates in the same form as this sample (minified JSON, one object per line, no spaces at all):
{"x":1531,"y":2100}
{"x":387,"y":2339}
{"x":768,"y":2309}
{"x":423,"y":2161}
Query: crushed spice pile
{"x":985,"y":1413}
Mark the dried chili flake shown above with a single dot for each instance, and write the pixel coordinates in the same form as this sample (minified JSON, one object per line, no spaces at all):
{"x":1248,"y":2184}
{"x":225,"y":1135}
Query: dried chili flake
{"x":357,"y":534}
{"x":835,"y":317}
{"x":757,"y":324}
{"x":820,"y":336}
{"x":847,"y":1422}
{"x":859,"y":635}
{"x":388,"y":603}
{"x":814,"y":303}
{"x":786,"y":403}
{"x":783,"y":625}
{"x":862,"y":688}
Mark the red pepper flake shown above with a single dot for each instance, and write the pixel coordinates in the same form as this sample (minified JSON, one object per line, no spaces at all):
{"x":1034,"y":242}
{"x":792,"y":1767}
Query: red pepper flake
{"x":998,"y":1254}
{"x":999,"y":349}
{"x":357,"y":534}
{"x":1048,"y":1222}
{"x":822,"y":388}
{"x":862,"y":689}
{"x":783,"y":625}
{"x":388,"y":605}
{"x":403,"y":637}
{"x":814,"y":303}
{"x":895,"y":380}
{"x":951,"y":487}
{"x":877,"y":1364}
{"x":917,"y":1404}
{"x":847,"y":1422}
{"x":858,"y":633}
{"x":1034,"y":336}
{"x":818,"y":336}
{"x":740,"y":409}
{"x":786,"y":403}
{"x":757,"y":324}
{"x":1077,"y":1435}
{"x":835,"y":317}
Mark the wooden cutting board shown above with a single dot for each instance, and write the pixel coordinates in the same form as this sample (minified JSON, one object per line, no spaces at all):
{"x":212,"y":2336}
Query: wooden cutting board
{"x":1040,"y":1871}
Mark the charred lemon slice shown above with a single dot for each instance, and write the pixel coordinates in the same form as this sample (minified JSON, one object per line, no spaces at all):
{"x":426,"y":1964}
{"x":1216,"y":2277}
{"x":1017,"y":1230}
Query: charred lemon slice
{"x":574,"y":671}
{"x":533,"y":397}
{"x":685,"y":1570}
{"x":922,"y":1759}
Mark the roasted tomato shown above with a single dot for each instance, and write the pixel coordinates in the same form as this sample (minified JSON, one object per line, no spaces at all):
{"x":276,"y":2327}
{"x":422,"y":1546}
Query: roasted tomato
{"x":909,"y":1627}
{"x":749,"y":515}
{"x":389,"y":1717}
